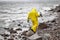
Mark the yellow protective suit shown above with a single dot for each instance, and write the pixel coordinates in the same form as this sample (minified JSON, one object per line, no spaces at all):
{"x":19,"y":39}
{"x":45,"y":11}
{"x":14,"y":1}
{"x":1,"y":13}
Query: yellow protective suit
{"x":33,"y":15}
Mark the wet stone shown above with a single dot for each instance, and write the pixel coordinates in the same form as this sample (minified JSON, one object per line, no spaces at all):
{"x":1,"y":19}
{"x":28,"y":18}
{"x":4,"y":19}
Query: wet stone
{"x":58,"y":11}
{"x":24,"y":38}
{"x":53,"y":21}
{"x":6,"y":28}
{"x":13,"y":21}
{"x":24,"y":33}
{"x":39,"y":39}
{"x":5,"y":38}
{"x":16,"y":38}
{"x":4,"y":35}
{"x":10,"y":39}
{"x":19,"y":36}
{"x":51,"y":10}
{"x":13,"y":35}
{"x":42,"y":26}
{"x":12,"y":31}
{"x":19,"y":29}
{"x":19,"y":25}
{"x":50,"y":14}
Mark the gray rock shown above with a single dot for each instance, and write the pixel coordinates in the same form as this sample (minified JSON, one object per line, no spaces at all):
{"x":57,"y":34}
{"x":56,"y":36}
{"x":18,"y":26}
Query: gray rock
{"x":12,"y":31}
{"x":19,"y":29}
{"x":57,"y":9}
{"x":10,"y":39}
{"x":4,"y":35}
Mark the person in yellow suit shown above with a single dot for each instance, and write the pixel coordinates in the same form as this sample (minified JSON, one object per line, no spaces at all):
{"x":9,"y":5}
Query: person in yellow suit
{"x":33,"y":16}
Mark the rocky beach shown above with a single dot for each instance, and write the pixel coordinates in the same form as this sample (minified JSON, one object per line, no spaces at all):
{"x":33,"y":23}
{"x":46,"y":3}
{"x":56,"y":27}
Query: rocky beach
{"x":13,"y":21}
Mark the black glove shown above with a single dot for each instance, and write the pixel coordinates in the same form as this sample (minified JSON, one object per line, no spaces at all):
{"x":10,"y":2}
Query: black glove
{"x":28,"y":21}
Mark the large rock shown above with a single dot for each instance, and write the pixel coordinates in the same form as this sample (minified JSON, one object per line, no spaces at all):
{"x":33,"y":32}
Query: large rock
{"x":42,"y":26}
{"x":34,"y":37}
{"x":56,"y":9}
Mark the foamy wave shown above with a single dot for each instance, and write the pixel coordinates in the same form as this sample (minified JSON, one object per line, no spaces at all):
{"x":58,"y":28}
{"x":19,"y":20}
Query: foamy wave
{"x":22,"y":10}
{"x":13,"y":11}
{"x":54,"y":6}
{"x":46,"y":8}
